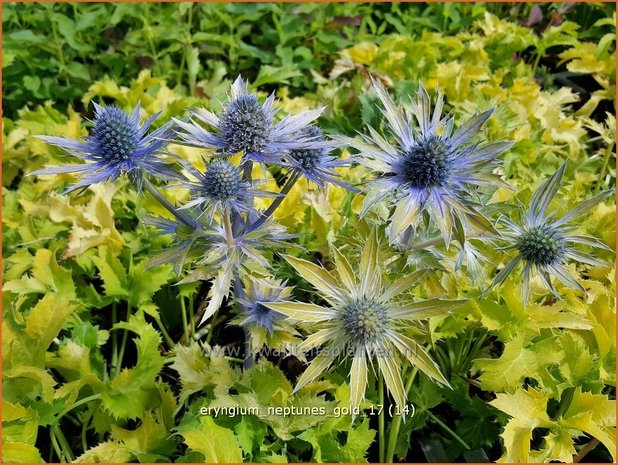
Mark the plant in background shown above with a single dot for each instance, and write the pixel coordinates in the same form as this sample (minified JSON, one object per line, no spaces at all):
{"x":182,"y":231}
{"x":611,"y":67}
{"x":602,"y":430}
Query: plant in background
{"x":545,"y":243}
{"x":432,"y":168}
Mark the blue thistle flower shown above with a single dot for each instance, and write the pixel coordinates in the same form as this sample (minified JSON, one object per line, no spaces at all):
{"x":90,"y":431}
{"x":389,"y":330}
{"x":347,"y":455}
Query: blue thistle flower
{"x":220,"y":188}
{"x":254,"y":314}
{"x":316,"y":164}
{"x":214,"y":255}
{"x":249,"y":127}
{"x":365,"y":319}
{"x":117,"y":145}
{"x":184,"y":247}
{"x":264,"y":326}
{"x":432,"y":169}
{"x":544,"y":243}
{"x":245,"y":125}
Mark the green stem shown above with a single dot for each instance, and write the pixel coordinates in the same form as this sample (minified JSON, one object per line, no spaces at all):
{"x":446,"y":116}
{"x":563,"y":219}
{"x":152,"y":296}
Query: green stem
{"x":181,"y":68}
{"x":123,"y":344}
{"x":184,"y":218}
{"x":168,"y":340}
{"x":192,"y":308}
{"x":153,"y":49}
{"x":114,"y":337}
{"x":85,"y":430}
{"x":83,"y":401}
{"x":275,"y":203}
{"x":448,"y":430}
{"x":606,"y":158}
{"x":68,"y":453}
{"x":396,"y":423}
{"x":185,"y":322}
{"x":73,"y":420}
{"x":537,"y":61}
{"x":56,"y":446}
{"x":211,"y":330}
{"x":189,"y":45}
{"x":381,"y":444}
{"x":247,"y":174}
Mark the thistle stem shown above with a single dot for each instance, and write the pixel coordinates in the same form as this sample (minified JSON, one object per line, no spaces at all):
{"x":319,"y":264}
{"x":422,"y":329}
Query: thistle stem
{"x":85,"y":425}
{"x":381,"y":436}
{"x":275,"y":203}
{"x":192,"y":309}
{"x":83,"y":401}
{"x":227,"y":226}
{"x":584,"y":450}
{"x":182,"y":217}
{"x":114,"y":337}
{"x":56,"y":446}
{"x":248,"y":351}
{"x":448,"y":430}
{"x":211,"y":329}
{"x":396,"y":423}
{"x":185,"y":322}
{"x":239,"y":293}
{"x":123,"y":344}
{"x":68,"y":453}
{"x":247,"y":174}
{"x":166,"y":336}
{"x":537,"y":60}
{"x":606,"y":158}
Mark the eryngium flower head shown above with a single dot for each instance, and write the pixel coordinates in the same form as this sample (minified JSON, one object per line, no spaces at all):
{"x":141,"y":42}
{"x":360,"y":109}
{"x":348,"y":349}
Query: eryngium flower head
{"x":365,"y":319}
{"x":316,"y":164}
{"x":117,"y":144}
{"x":430,"y":169}
{"x":544,"y":243}
{"x":265,"y":326}
{"x":249,"y":127}
{"x":220,"y":188}
{"x":212,"y":255}
{"x":245,"y":125}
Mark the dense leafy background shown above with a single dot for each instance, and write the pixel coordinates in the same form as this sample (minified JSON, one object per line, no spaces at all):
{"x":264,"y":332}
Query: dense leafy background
{"x":528,"y":385}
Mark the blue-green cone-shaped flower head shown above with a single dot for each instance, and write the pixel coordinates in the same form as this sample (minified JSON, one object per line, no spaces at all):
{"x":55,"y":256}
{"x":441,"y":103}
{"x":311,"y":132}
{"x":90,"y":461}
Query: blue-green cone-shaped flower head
{"x":365,"y":320}
{"x":316,"y":163}
{"x":545,"y":242}
{"x":222,"y":180}
{"x":427,"y":163}
{"x":250,"y":127}
{"x":116,"y":135}
{"x":245,"y":125}
{"x":117,"y":145}
{"x":426,"y":169}
{"x":542,"y":245}
{"x":307,"y":158}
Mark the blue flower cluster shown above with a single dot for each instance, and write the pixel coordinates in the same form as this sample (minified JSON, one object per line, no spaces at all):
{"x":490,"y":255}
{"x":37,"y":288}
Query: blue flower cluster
{"x":429,"y":174}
